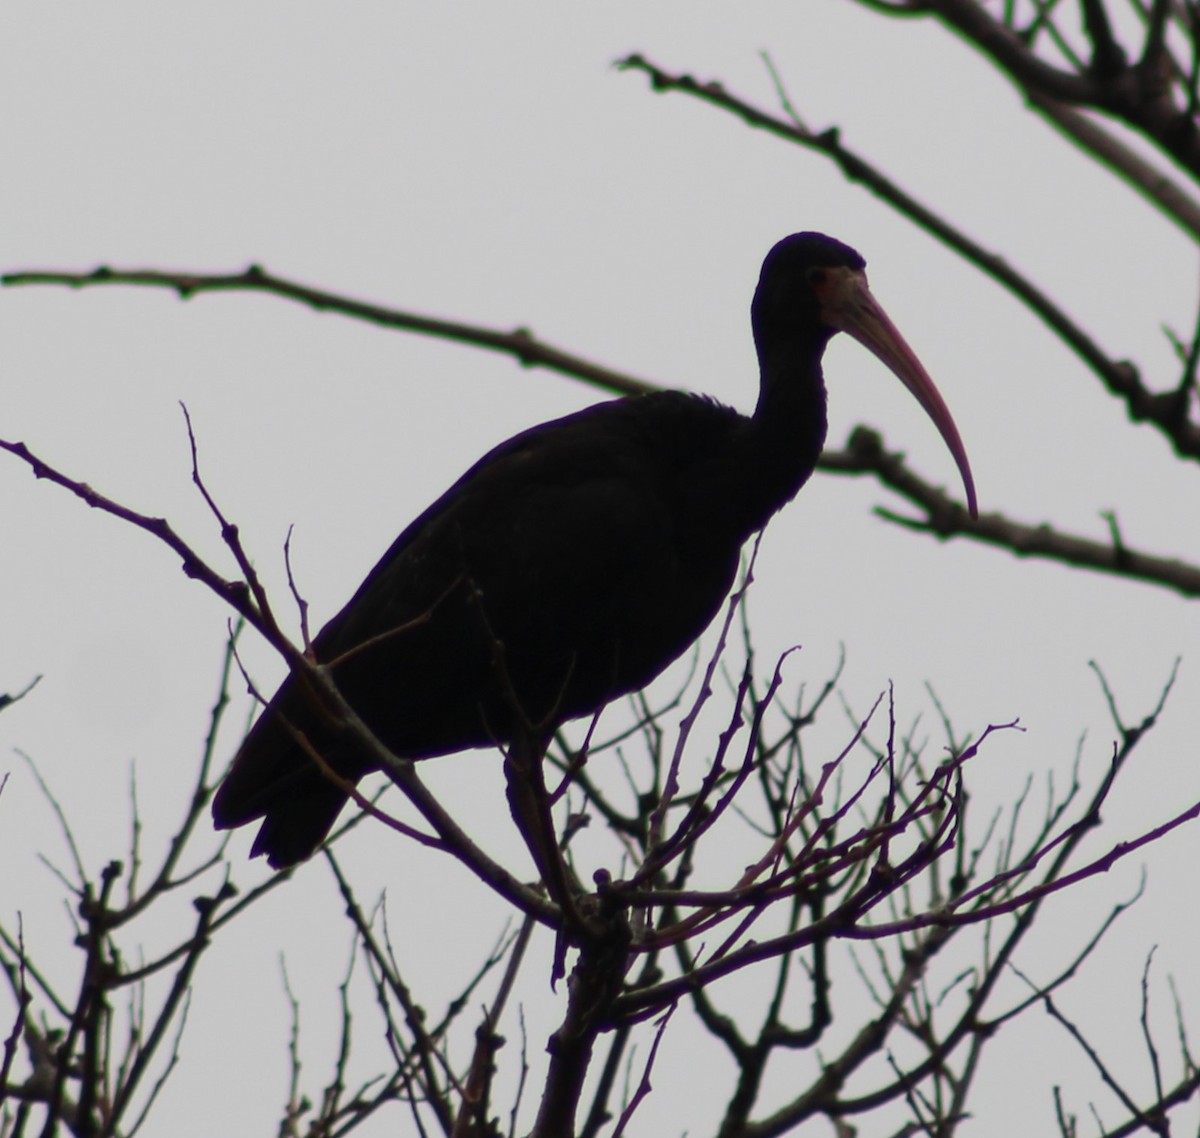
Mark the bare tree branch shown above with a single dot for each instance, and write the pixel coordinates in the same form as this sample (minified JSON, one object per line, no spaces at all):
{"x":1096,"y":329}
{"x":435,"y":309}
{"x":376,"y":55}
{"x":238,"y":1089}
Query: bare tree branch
{"x":1164,"y":410}
{"x":945,"y":518}
{"x":1131,"y":93}
{"x":520,"y":344}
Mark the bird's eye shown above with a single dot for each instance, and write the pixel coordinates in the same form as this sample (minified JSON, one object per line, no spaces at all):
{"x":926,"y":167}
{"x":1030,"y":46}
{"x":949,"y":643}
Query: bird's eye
{"x":816,"y":277}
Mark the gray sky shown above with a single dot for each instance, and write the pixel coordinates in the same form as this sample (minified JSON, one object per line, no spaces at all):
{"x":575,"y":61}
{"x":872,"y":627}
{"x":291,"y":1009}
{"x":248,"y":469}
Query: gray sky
{"x":487,"y":163}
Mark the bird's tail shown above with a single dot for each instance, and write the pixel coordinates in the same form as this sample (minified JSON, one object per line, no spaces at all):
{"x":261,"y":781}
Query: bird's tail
{"x":272,"y":778}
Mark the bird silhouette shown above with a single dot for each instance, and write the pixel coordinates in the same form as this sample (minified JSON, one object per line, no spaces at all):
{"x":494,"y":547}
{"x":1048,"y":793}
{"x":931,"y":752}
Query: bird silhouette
{"x":571,"y":564}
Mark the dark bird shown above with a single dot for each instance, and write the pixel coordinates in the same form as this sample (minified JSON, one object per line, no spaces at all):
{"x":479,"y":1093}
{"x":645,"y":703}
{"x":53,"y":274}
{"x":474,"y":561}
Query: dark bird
{"x":572,"y":563}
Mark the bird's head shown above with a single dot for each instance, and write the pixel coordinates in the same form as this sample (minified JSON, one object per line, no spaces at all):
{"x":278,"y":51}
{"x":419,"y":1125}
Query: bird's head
{"x":812,"y":286}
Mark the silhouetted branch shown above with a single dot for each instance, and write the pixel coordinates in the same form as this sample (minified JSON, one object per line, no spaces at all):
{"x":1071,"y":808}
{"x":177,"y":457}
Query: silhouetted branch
{"x":864,"y":454}
{"x":17,"y":980}
{"x":1120,"y":377}
{"x":520,"y":344}
{"x":1154,"y":183}
{"x":944,"y":517}
{"x":7,"y":700}
{"x":249,"y":600}
{"x":1141,"y":94}
{"x":832,"y":859}
{"x":1158,"y":88}
{"x":236,"y":594}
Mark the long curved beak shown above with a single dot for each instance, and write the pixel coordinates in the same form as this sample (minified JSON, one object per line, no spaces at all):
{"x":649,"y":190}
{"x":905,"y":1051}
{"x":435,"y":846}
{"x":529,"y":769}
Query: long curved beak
{"x":847,"y":304}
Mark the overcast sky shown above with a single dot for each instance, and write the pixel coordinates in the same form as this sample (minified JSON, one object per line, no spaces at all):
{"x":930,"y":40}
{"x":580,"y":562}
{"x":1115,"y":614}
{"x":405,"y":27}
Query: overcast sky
{"x":487,"y":163}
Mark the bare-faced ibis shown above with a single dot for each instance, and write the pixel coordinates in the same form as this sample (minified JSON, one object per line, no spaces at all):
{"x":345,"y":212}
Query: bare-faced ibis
{"x":572,"y":563}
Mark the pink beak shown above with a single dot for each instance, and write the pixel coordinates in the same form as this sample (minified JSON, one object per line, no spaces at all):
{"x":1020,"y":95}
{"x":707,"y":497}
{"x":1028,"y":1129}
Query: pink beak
{"x":847,"y":304}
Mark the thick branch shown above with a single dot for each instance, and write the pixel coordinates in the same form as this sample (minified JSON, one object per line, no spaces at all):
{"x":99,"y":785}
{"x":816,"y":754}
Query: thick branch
{"x":1122,"y":91}
{"x":1013,"y":51}
{"x":1105,"y":147}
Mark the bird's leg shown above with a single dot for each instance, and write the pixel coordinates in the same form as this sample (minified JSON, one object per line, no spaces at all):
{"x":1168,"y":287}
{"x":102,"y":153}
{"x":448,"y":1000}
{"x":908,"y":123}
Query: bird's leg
{"x":530,"y":805}
{"x":525,"y":778}
{"x":528,"y":799}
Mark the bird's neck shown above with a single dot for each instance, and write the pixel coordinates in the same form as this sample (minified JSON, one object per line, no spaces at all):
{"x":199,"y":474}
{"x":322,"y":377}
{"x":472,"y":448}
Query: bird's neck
{"x":784,"y":437}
